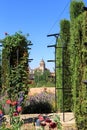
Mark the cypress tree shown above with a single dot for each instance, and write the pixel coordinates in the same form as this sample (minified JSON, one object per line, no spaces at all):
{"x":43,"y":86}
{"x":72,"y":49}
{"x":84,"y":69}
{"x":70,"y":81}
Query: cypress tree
{"x":65,"y":91}
{"x":78,"y":62}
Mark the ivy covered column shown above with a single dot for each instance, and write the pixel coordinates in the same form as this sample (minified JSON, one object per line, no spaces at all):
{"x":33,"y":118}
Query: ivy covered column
{"x":15,"y":56}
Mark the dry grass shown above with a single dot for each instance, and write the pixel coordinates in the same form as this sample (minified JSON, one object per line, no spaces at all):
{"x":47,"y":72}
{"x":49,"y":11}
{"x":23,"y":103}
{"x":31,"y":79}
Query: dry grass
{"x":34,"y":91}
{"x":28,"y":126}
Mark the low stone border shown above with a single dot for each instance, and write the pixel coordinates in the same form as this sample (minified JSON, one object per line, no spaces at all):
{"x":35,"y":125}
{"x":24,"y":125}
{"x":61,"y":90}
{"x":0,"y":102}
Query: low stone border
{"x":68,"y":124}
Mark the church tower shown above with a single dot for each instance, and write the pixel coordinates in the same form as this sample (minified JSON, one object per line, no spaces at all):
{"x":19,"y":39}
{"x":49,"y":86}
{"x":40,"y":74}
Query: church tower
{"x":42,"y":65}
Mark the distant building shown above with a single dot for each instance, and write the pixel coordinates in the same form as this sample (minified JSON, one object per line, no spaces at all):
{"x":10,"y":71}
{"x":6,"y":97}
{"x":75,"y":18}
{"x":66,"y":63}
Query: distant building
{"x":41,"y":68}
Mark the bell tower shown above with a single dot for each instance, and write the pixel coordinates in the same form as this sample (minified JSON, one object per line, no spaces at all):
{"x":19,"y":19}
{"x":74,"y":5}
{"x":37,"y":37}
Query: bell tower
{"x":42,"y":65}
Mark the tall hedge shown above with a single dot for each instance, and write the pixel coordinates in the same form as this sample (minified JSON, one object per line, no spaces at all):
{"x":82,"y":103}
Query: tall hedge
{"x":65,"y":39}
{"x":64,"y":77}
{"x":78,"y":66}
{"x":74,"y":38}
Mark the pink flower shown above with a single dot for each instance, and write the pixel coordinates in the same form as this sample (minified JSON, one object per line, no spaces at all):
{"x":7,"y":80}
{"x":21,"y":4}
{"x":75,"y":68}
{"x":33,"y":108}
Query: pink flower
{"x":19,"y":108}
{"x":40,"y":117}
{"x":13,"y":103}
{"x":8,"y":101}
{"x":1,"y":112}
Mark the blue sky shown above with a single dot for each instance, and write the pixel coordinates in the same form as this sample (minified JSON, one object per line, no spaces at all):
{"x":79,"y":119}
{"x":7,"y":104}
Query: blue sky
{"x":38,"y":18}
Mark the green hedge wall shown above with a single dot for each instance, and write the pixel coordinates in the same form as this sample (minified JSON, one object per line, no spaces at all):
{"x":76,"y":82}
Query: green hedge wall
{"x":73,"y":36}
{"x":78,"y":53}
{"x":64,"y":89}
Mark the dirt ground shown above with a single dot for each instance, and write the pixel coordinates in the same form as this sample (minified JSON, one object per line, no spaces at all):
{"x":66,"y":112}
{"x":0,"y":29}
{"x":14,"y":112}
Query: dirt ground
{"x":33,"y":91}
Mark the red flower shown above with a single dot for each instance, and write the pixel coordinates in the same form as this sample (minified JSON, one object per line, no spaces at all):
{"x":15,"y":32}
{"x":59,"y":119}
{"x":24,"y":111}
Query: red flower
{"x":40,"y":117}
{"x":48,"y":120}
{"x":53,"y":125}
{"x":1,"y":112}
{"x":15,"y":114}
{"x":8,"y":101}
{"x":19,"y":108}
{"x":13,"y":103}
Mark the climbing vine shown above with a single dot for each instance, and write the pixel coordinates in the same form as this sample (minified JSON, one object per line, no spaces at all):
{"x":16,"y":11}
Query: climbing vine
{"x":15,"y":64}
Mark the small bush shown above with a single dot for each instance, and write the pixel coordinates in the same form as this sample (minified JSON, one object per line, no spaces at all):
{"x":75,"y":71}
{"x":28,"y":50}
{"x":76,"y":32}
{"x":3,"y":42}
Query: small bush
{"x":40,"y":103}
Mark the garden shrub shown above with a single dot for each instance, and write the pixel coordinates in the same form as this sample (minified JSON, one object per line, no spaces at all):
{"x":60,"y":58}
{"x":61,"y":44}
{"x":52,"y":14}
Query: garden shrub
{"x":40,"y":103}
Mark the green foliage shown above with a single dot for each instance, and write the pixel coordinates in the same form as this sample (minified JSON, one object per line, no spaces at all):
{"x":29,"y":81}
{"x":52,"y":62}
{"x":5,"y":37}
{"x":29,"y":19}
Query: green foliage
{"x":15,"y":64}
{"x":63,"y":71}
{"x":59,"y":75}
{"x":73,"y":36}
{"x":78,"y":64}
{"x":43,"y":79}
{"x":16,"y":123}
{"x":65,"y":31}
{"x":56,"y":118}
{"x":14,"y":76}
{"x":76,"y":8}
